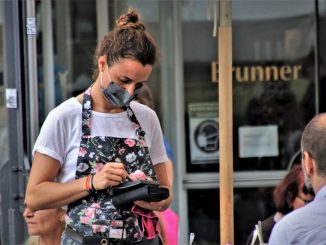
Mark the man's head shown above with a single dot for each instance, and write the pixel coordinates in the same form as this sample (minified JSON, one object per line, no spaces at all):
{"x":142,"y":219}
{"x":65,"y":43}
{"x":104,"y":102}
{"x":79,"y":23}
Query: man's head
{"x":313,"y":146}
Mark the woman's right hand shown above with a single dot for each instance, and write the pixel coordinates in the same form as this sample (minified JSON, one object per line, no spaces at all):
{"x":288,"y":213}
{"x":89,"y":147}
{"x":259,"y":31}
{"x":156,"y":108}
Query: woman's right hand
{"x":112,"y":174}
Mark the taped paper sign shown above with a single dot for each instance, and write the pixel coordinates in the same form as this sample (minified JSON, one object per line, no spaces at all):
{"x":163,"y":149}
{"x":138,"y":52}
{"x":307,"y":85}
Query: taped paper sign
{"x":258,"y":141}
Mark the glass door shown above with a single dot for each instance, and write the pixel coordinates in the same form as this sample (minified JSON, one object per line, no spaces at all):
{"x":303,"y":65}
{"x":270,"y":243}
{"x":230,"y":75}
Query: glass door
{"x":274,"y":96}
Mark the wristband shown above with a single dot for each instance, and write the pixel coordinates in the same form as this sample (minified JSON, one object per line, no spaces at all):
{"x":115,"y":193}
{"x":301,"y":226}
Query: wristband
{"x":92,"y":183}
{"x":87,"y":183}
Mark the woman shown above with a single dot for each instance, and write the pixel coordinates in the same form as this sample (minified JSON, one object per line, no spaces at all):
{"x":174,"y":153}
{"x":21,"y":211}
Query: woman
{"x":96,"y":140}
{"x":289,"y":194}
{"x":44,"y":226}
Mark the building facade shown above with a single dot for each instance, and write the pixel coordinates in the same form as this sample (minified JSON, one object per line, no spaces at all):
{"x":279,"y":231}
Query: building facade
{"x":279,"y":71}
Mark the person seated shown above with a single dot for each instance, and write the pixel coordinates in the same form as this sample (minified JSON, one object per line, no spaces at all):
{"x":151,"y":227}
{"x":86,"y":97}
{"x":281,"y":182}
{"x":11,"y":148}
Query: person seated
{"x":290,"y":194}
{"x":44,"y":226}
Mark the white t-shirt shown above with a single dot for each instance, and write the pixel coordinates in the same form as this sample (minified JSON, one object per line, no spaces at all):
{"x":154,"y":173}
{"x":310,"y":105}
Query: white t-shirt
{"x":61,"y":133}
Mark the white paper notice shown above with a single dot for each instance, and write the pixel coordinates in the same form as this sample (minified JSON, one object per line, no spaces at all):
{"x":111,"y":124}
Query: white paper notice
{"x":258,"y":141}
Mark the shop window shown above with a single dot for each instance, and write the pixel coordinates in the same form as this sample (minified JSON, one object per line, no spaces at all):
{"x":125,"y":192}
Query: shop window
{"x":274,"y":84}
{"x":74,"y":42}
{"x":250,"y":205}
{"x":322,"y":53}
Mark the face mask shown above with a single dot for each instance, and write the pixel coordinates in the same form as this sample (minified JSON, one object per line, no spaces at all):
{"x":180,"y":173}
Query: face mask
{"x":117,"y":95}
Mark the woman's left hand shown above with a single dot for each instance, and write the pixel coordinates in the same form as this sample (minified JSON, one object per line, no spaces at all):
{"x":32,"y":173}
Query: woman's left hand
{"x":154,"y":206}
{"x":163,"y":179}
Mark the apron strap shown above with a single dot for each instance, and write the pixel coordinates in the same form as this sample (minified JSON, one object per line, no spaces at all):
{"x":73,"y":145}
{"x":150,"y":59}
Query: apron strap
{"x":86,"y":114}
{"x":136,"y":125}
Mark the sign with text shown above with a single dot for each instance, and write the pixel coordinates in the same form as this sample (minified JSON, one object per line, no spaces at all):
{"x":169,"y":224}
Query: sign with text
{"x":258,"y":141}
{"x":203,"y":132}
{"x":261,"y":73}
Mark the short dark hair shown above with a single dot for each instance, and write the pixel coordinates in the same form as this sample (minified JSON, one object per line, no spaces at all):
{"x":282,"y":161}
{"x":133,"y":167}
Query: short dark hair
{"x":286,"y":191}
{"x":313,"y":141}
{"x":129,"y":39}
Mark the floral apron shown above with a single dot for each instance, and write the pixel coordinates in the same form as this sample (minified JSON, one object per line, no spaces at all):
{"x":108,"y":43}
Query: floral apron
{"x":95,"y":214}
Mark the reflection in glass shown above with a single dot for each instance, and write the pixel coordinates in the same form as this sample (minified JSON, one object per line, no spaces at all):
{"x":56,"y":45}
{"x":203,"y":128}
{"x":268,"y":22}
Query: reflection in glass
{"x":273,"y":77}
{"x":250,"y":205}
{"x":75,"y":40}
{"x":322,"y":52}
{"x":276,"y":85}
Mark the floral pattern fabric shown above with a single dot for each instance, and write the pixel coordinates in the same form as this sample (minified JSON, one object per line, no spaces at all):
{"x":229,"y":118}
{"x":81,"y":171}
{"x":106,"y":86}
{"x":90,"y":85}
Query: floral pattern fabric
{"x":95,"y":214}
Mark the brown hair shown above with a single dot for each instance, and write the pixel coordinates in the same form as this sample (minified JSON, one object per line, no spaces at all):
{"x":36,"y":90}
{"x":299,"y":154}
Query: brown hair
{"x":313,"y":141}
{"x":146,"y":97}
{"x":129,"y":39}
{"x":286,"y":191}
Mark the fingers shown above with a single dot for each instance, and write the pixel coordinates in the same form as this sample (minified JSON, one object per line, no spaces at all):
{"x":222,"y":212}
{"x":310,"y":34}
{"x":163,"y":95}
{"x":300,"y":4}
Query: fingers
{"x":118,"y":165}
{"x":117,"y":171}
{"x":112,"y":174}
{"x":154,"y":206}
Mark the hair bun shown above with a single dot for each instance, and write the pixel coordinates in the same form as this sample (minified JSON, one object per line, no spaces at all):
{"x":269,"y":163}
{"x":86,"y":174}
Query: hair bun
{"x":130,"y":20}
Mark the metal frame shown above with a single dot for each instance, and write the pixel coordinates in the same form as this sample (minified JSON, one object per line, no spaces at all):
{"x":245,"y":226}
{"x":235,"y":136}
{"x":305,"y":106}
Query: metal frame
{"x":64,"y":41}
{"x":12,"y":176}
{"x":31,"y":72}
{"x":102,"y":18}
{"x":316,"y":50}
{"x":240,"y":180}
{"x":48,"y":56}
{"x":178,"y":113}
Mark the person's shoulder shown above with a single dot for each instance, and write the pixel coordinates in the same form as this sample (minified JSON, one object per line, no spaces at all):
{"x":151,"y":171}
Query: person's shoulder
{"x":293,"y":220}
{"x":300,"y":224}
{"x":283,"y":231}
{"x":67,"y":109}
{"x":296,"y":216}
{"x":311,"y":215}
{"x":142,"y":109}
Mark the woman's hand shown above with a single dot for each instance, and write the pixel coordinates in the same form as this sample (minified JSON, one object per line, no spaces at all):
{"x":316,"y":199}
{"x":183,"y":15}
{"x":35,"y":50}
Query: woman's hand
{"x":112,"y":174}
{"x":163,"y":179}
{"x":154,"y":206}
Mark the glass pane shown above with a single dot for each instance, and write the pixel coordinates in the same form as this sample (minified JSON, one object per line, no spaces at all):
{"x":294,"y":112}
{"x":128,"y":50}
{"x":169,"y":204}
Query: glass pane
{"x":273,"y":83}
{"x":199,"y":51}
{"x":250,"y":205}
{"x":4,"y":150}
{"x":322,"y":53}
{"x":74,"y":42}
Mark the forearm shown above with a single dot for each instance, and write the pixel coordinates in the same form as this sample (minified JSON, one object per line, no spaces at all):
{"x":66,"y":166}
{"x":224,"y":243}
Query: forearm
{"x":43,"y":193}
{"x":163,"y":173}
{"x":167,"y":202}
{"x":52,"y":195}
